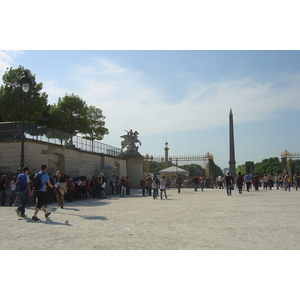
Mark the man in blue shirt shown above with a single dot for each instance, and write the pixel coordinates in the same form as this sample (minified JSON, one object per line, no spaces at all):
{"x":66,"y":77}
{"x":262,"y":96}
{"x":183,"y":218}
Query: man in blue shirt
{"x":248,"y":179}
{"x":24,"y":193}
{"x":41,"y":193}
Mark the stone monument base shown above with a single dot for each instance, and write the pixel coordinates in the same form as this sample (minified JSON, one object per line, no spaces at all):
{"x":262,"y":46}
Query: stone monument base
{"x":134,"y":166}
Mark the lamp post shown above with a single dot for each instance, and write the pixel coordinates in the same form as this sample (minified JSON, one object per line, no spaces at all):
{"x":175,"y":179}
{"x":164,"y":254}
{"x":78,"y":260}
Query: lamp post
{"x":25,"y":82}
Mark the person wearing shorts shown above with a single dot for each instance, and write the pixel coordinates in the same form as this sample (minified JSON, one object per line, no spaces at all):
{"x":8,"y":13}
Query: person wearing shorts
{"x":41,"y":193}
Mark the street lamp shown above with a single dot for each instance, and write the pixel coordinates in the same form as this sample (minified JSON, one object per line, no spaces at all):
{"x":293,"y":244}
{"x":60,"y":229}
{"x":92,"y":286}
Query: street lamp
{"x":25,"y":83}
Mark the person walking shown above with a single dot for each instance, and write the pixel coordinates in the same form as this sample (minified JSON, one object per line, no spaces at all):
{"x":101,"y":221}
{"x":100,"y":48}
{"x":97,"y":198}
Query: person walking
{"x":70,"y":189}
{"x":60,"y":189}
{"x":162,"y":187}
{"x":154,"y":186}
{"x":213,"y":181}
{"x":270,"y":180}
{"x":23,"y":190}
{"x":265,"y":182}
{"x":228,"y":180}
{"x":123,"y":186}
{"x":220,"y":182}
{"x":297,"y":182}
{"x":248,"y":180}
{"x":3,"y":190}
{"x":196,"y":183}
{"x":178,"y":182}
{"x":287,"y":181}
{"x":202,"y":182}
{"x":12,"y":186}
{"x":128,"y":187}
{"x":256,"y":182}
{"x":112,"y":183}
{"x":239,"y":182}
{"x":143,"y":186}
{"x":41,"y":192}
{"x":103,"y":183}
{"x":148,"y":185}
{"x":118,"y":185}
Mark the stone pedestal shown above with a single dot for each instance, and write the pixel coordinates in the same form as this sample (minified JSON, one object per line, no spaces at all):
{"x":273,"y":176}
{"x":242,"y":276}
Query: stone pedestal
{"x":134,"y":166}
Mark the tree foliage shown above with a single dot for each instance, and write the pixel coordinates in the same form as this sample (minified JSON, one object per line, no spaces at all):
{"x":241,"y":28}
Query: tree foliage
{"x":216,"y":170}
{"x":69,"y":115}
{"x":266,"y":166}
{"x":95,"y":129}
{"x":295,"y":166}
{"x":194,"y":169}
{"x":12,"y":96}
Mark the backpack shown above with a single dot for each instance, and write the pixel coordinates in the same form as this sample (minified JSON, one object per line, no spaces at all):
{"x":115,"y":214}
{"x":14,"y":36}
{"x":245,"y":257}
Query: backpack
{"x":36,"y":181}
{"x":19,"y":185}
{"x":154,"y":184}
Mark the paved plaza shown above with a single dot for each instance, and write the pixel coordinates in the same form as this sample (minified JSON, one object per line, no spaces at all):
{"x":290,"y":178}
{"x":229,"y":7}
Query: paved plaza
{"x":265,"y":220}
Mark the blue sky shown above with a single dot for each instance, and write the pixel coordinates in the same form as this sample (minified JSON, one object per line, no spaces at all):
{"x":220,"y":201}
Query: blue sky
{"x":183,"y":97}
{"x":133,"y":61}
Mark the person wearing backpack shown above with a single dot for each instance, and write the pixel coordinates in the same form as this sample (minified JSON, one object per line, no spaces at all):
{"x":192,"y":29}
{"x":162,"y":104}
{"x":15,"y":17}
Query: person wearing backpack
{"x":42,"y":179}
{"x":23,"y":190}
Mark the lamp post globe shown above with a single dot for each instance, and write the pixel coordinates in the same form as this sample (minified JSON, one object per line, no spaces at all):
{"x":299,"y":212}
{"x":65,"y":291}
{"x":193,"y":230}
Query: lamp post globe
{"x":25,"y":83}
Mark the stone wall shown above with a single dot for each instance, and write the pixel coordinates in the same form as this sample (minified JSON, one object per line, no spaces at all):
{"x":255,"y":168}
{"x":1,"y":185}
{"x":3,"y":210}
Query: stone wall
{"x":71,"y":161}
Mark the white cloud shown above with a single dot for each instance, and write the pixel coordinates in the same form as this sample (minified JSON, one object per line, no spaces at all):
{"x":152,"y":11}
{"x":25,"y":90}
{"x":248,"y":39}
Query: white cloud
{"x":53,"y":91}
{"x":7,"y":60}
{"x":130,"y":100}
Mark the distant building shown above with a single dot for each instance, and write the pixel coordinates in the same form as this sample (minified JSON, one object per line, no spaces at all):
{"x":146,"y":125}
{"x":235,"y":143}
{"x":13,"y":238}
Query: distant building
{"x":225,"y":171}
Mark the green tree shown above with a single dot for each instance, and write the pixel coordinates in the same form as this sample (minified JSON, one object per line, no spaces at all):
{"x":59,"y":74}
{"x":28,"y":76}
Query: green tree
{"x":295,"y":166}
{"x":95,"y":129}
{"x":69,"y":115}
{"x":268,"y":165}
{"x":241,"y":169}
{"x":216,"y":170}
{"x":194,"y":169}
{"x":155,"y":167}
{"x":249,"y":166}
{"x":11,"y":97}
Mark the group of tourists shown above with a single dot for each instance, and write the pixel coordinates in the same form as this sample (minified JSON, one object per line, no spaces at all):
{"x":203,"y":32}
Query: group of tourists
{"x":41,"y":189}
{"x":281,"y":181}
{"x":151,"y":185}
{"x":199,"y":181}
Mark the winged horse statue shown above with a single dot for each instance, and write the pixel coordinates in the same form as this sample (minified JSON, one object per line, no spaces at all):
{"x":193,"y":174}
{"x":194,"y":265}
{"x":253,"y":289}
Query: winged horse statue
{"x":130,"y":139}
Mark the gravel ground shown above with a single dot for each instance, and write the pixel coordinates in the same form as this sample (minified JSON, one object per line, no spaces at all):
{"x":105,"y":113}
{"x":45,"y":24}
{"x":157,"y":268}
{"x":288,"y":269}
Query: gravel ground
{"x":265,"y":220}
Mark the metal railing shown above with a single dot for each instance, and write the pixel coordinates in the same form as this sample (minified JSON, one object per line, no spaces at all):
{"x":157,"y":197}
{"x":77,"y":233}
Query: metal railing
{"x":13,"y":130}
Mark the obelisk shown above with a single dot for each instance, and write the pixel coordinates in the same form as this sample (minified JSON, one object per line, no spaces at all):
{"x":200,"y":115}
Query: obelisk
{"x":231,"y":145}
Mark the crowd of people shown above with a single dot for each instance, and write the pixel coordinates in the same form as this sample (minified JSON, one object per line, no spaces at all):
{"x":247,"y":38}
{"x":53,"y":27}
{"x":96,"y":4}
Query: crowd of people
{"x":279,"y":181}
{"x":41,"y":189}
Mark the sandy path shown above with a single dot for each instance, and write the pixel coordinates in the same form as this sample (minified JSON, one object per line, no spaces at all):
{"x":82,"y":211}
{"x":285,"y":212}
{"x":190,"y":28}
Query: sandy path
{"x":190,"y":220}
